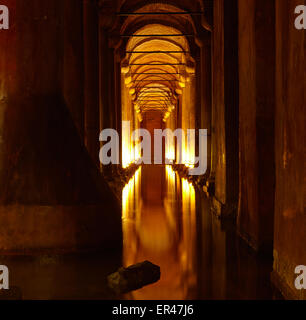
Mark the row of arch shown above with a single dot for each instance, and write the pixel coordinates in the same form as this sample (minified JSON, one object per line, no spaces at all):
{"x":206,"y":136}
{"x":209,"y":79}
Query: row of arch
{"x":158,"y":43}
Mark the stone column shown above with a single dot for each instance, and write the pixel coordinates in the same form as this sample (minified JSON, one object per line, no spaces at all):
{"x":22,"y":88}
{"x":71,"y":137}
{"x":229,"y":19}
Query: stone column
{"x":206,"y":103}
{"x":111,"y":121}
{"x":108,"y":68}
{"x":91,"y":82}
{"x":115,"y":94}
{"x":192,"y":108}
{"x":225,"y":91}
{"x":104,"y":70}
{"x":198,"y":109}
{"x":73,"y":61}
{"x":290,"y":217}
{"x":104,"y":79}
{"x":52,"y":197}
{"x":256,"y":122}
{"x":106,"y":65}
{"x":118,"y":105}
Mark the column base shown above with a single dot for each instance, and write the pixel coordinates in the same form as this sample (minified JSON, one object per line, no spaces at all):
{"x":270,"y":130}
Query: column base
{"x":283,"y":278}
{"x":27,"y":229}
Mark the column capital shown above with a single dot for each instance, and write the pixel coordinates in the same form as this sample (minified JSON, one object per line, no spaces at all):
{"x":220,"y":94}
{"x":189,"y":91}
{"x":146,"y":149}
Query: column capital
{"x":190,"y":67}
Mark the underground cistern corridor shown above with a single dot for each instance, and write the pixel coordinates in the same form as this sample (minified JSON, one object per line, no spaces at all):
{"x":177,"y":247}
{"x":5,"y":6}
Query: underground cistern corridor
{"x":162,"y":131}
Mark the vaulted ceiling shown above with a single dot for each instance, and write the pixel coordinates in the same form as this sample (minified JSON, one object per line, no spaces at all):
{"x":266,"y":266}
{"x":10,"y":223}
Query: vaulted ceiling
{"x":158,"y":40}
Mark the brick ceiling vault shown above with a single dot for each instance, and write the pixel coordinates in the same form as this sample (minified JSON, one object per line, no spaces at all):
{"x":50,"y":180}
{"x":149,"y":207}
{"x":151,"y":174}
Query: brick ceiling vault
{"x":157,"y":41}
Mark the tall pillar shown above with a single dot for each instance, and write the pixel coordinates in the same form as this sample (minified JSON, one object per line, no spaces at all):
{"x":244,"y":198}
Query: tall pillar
{"x":225,"y":152}
{"x":198,"y":109}
{"x":73,"y":61}
{"x":118,"y":105}
{"x":105,"y":86}
{"x":115,"y":96}
{"x":192,"y":124}
{"x":206,"y":102}
{"x":104,"y":79}
{"x":106,"y":67}
{"x":111,"y":121}
{"x":256,"y":122}
{"x":91,"y":82}
{"x":290,"y":217}
{"x":109,"y":92}
{"x":52,"y":197}
{"x":179,"y":123}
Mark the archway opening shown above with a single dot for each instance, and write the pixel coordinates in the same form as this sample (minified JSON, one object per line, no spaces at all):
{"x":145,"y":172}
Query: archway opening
{"x":158,"y":83}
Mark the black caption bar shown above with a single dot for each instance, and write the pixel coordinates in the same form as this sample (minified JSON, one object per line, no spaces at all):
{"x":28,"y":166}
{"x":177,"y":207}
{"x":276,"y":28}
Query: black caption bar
{"x":138,"y":310}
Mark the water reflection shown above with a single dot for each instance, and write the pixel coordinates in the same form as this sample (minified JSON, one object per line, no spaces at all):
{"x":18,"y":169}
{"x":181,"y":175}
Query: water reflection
{"x":159,"y":224}
{"x":168,"y":223}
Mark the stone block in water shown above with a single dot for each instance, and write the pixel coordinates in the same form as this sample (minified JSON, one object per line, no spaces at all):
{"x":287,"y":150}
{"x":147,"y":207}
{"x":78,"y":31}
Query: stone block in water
{"x":134,"y":277}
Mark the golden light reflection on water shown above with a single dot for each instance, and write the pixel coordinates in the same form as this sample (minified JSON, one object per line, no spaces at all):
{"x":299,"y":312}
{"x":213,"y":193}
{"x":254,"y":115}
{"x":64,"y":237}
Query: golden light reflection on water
{"x":159,"y":225}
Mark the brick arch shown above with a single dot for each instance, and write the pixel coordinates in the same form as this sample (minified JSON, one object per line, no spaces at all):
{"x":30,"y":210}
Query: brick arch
{"x":186,"y":5}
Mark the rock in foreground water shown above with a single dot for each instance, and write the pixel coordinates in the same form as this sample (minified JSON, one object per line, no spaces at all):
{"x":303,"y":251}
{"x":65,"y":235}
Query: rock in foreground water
{"x":134,"y":277}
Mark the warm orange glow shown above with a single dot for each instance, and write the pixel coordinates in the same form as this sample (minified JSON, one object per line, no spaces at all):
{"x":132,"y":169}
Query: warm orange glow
{"x":131,"y":151}
{"x":128,"y":194}
{"x":170,"y":152}
{"x":127,"y":150}
{"x":188,"y":153}
{"x":152,"y":231}
{"x":188,"y":256}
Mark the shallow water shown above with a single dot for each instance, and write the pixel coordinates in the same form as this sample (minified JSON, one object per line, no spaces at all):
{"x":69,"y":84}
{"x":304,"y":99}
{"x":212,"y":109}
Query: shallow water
{"x":168,"y":222}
